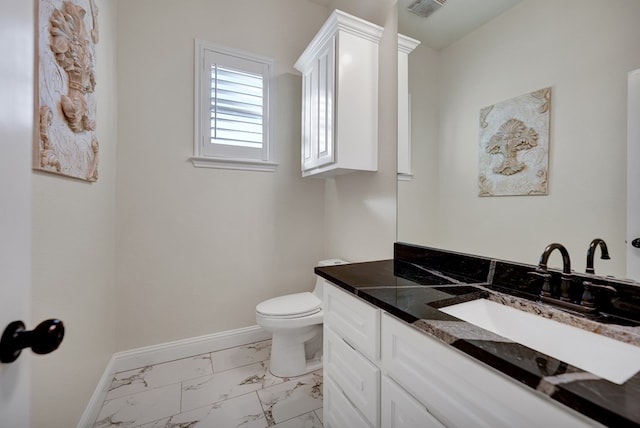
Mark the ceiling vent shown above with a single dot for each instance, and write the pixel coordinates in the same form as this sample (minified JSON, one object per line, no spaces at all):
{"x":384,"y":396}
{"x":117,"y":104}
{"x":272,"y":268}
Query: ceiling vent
{"x":424,"y":8}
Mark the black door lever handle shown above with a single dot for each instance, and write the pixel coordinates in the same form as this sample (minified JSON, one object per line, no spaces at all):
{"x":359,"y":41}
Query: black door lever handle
{"x":636,"y":243}
{"x":45,"y":338}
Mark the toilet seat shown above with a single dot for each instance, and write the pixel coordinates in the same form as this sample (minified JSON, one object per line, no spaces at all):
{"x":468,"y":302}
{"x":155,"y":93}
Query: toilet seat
{"x":290,"y":306}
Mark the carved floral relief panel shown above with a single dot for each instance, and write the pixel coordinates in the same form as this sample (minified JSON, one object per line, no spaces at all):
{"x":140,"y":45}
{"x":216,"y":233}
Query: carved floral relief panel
{"x":514,"y":146}
{"x":66,"y":143}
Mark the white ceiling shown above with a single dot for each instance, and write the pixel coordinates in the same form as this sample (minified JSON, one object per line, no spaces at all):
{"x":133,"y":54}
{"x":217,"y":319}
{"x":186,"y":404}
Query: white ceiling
{"x":451,"y":22}
{"x":375,"y":11}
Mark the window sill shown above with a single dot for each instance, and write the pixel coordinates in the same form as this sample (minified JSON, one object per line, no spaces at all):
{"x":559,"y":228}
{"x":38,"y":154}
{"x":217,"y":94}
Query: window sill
{"x":404,"y":176}
{"x":230,"y":163}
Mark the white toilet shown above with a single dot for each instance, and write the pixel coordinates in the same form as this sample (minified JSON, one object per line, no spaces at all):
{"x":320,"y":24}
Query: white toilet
{"x":295,"y":320}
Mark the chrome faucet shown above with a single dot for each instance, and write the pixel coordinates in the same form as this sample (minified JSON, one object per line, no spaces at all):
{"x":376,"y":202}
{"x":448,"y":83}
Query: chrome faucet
{"x":566,"y":270}
{"x":604,"y":253}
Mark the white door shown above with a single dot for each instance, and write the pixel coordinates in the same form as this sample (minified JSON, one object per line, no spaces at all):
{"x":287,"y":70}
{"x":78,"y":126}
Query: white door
{"x":633,"y":177}
{"x":16,"y":128}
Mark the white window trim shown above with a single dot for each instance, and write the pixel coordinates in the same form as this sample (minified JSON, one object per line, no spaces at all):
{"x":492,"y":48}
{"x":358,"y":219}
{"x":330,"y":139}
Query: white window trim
{"x":268,"y":162}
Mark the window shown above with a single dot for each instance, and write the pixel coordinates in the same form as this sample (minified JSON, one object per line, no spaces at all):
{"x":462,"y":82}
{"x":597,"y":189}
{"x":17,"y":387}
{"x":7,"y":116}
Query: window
{"x":232,"y":109}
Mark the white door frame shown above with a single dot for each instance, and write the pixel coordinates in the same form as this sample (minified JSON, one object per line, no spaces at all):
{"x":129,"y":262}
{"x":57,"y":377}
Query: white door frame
{"x":633,"y":175}
{"x":16,"y":133}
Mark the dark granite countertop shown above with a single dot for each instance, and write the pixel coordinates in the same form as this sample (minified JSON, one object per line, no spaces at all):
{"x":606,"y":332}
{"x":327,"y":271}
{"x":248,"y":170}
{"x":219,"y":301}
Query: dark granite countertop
{"x":419,"y":280}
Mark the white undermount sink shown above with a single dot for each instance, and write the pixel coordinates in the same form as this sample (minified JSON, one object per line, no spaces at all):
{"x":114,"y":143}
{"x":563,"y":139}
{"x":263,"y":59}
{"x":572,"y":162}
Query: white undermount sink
{"x":605,"y":357}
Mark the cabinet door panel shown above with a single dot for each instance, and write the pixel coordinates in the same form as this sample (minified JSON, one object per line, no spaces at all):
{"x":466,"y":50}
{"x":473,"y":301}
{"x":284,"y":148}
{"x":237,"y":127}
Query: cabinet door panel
{"x":357,"y":322}
{"x":318,"y":110}
{"x":462,"y":392}
{"x":326,"y":73}
{"x":308,"y":92}
{"x":358,"y":378}
{"x":401,"y":410}
{"x":338,"y":411}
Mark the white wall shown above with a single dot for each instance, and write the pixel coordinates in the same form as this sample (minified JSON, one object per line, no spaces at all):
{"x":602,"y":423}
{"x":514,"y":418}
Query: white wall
{"x":360,"y":207}
{"x":583,"y":49}
{"x":158,"y":250}
{"x":199,"y":248}
{"x":417,"y":213}
{"x":73,"y":247}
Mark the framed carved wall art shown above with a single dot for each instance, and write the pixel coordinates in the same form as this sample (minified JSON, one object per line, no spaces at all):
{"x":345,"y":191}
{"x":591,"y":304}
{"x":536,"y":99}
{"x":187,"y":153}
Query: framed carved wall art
{"x":514,"y":146}
{"x":66,"y":142}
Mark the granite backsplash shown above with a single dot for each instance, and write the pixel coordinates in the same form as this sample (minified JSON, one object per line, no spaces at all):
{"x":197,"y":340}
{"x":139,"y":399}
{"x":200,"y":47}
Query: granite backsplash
{"x":623,"y":307}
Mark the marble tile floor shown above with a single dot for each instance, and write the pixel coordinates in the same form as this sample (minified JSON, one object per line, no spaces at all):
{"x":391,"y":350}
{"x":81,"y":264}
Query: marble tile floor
{"x":227,"y":388}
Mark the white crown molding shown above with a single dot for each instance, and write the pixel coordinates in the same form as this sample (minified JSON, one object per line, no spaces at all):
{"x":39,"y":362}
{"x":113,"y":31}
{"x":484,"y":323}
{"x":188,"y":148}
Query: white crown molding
{"x":338,"y":21}
{"x":406,"y":44}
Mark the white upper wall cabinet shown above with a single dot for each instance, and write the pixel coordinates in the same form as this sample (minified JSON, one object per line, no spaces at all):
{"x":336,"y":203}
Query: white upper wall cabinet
{"x":405,"y":46}
{"x":340,"y":97}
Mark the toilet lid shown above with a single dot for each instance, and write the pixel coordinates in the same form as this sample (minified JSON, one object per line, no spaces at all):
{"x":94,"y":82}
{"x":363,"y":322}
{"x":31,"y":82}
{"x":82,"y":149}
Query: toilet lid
{"x":299,"y":305}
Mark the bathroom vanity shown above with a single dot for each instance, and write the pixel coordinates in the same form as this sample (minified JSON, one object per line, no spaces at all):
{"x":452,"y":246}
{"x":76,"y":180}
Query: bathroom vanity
{"x":393,"y":358}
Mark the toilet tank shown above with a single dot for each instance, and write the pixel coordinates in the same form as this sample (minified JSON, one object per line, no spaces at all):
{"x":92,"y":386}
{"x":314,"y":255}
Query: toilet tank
{"x":319,"y":288}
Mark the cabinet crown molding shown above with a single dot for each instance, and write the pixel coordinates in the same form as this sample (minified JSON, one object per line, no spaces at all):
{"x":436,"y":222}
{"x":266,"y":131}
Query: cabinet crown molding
{"x":338,"y":21}
{"x":407,"y":44}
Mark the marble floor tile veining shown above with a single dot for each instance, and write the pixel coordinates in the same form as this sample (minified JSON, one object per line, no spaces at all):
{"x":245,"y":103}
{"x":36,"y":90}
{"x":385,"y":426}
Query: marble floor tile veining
{"x":149,"y":377}
{"x":241,"y":356}
{"x":228,"y":388}
{"x":138,"y":409}
{"x":227,"y":384}
{"x":243,"y":411}
{"x":286,"y":400}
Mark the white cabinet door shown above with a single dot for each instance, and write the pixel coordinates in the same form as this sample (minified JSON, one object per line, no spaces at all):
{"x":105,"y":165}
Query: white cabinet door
{"x":356,"y":376}
{"x":405,"y":46}
{"x":461,"y":392}
{"x":318,"y":108}
{"x":357,"y":322}
{"x":401,"y":410}
{"x":338,"y":411}
{"x":340,"y":97}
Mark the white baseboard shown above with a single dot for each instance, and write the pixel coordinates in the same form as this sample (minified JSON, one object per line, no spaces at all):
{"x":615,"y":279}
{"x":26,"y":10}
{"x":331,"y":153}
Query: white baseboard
{"x":155,"y":354}
{"x":149,"y":355}
{"x":97,"y":398}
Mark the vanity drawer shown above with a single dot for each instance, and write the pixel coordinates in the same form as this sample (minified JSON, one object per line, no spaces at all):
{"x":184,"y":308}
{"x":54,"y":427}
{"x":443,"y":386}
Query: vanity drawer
{"x":461,"y":392}
{"x":356,"y":376}
{"x":354,"y":320}
{"x":338,"y":411}
{"x":401,"y":410}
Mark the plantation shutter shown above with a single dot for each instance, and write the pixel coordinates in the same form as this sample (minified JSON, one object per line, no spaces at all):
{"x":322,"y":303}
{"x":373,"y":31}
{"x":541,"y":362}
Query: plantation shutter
{"x":237,"y":107}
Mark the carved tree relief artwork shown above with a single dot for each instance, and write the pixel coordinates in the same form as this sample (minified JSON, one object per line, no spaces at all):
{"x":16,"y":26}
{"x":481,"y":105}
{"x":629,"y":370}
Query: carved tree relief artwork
{"x":512,"y":137}
{"x":67,"y":142}
{"x":514,"y":146}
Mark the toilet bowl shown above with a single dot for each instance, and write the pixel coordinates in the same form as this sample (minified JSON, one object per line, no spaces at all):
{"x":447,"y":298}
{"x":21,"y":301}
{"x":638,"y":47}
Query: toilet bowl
{"x":295,"y":322}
